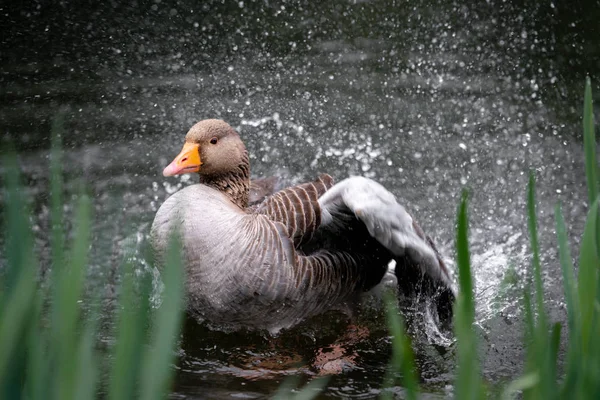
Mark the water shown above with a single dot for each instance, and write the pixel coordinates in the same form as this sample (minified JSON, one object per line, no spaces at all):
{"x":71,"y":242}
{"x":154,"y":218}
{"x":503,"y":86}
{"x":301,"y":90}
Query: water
{"x":426,"y":98}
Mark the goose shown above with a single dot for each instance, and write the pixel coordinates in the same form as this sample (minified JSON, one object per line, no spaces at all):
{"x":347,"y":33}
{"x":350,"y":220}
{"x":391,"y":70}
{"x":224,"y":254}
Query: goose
{"x":270,"y":261}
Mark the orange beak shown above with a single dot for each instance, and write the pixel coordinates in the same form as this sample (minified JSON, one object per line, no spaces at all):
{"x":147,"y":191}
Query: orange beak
{"x":187,"y":161}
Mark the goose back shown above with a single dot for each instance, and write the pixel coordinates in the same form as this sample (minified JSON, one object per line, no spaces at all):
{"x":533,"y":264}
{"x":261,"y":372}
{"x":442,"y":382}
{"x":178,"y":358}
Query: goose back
{"x":243,"y":269}
{"x":297,"y":208}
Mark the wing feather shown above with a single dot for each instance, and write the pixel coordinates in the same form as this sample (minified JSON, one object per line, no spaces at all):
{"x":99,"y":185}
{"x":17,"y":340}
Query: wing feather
{"x":297,"y":208}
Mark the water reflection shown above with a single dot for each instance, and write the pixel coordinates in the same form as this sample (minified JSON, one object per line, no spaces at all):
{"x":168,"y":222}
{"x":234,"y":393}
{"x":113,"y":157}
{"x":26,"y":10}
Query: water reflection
{"x":426,"y":97}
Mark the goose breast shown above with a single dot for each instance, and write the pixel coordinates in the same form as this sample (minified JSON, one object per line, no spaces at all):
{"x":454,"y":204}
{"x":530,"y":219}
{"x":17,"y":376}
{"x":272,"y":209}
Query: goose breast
{"x":241,"y":268}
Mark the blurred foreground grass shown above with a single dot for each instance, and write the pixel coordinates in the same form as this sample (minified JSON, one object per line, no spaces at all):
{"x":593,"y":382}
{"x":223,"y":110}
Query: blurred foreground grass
{"x":48,"y":348}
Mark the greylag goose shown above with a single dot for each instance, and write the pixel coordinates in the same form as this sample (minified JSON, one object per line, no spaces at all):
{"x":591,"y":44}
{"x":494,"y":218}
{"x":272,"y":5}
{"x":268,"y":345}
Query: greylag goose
{"x":297,"y":253}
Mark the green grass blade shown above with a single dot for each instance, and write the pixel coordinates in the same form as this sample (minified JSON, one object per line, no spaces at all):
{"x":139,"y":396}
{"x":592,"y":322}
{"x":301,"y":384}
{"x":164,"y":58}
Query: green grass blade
{"x":594,"y":357}
{"x":566,"y":263}
{"x":589,"y":143}
{"x":588,"y":295}
{"x":13,"y":326}
{"x":66,"y":306}
{"x":87,"y":368}
{"x":529,"y":319}
{"x":592,"y":362}
{"x":89,"y":360}
{"x":37,"y":361}
{"x":130,"y":336}
{"x":57,"y":248}
{"x":573,"y":309}
{"x":17,"y":233}
{"x":308,"y":392}
{"x":589,"y":276}
{"x":157,"y":370}
{"x":57,"y":241}
{"x":403,"y":360}
{"x":285,"y":390}
{"x":468,"y":380}
{"x":541,"y":345}
{"x":464,"y":260}
{"x":537,"y":270}
{"x":553,"y":357}
{"x":18,"y":285}
{"x":531,"y":367}
{"x":127,"y":344}
{"x":523,"y":383}
{"x":312,"y":389}
{"x":588,"y":279}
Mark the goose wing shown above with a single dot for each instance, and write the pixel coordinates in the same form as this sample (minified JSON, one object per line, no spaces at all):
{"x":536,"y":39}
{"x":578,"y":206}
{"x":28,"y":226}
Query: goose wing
{"x":418,"y":262}
{"x":297,"y":208}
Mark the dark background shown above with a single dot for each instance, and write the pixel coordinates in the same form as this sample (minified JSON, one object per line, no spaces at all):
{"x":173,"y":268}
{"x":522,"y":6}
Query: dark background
{"x":79,"y":43}
{"x":426,"y":97}
{"x":91,"y":36}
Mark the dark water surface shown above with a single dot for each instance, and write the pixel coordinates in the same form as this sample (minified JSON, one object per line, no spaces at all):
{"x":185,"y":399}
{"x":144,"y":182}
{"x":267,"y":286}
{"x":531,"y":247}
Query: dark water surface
{"x":425,"y":97}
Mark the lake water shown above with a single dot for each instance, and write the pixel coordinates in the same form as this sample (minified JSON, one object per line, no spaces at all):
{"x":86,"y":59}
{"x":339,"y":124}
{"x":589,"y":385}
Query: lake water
{"x":426,"y":98}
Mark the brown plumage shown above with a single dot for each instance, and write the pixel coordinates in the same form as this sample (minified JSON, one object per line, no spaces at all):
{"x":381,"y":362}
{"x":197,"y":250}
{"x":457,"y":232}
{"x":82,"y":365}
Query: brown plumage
{"x":299,"y":252}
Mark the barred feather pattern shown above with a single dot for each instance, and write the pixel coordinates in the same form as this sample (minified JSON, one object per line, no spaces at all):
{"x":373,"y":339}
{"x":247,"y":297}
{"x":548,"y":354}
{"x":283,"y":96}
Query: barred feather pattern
{"x":297,"y":208}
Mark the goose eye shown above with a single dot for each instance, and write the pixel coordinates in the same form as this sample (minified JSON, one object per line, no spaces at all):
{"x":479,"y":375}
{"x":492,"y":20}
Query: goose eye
{"x":213,"y":140}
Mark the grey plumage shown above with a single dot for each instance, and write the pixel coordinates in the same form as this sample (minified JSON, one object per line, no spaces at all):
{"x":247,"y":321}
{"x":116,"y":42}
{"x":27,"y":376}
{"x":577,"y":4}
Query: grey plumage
{"x":300,"y":252}
{"x":387,"y":221}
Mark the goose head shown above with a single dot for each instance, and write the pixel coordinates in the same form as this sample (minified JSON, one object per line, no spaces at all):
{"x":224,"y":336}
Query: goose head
{"x":212,"y":148}
{"x":215,"y":151}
